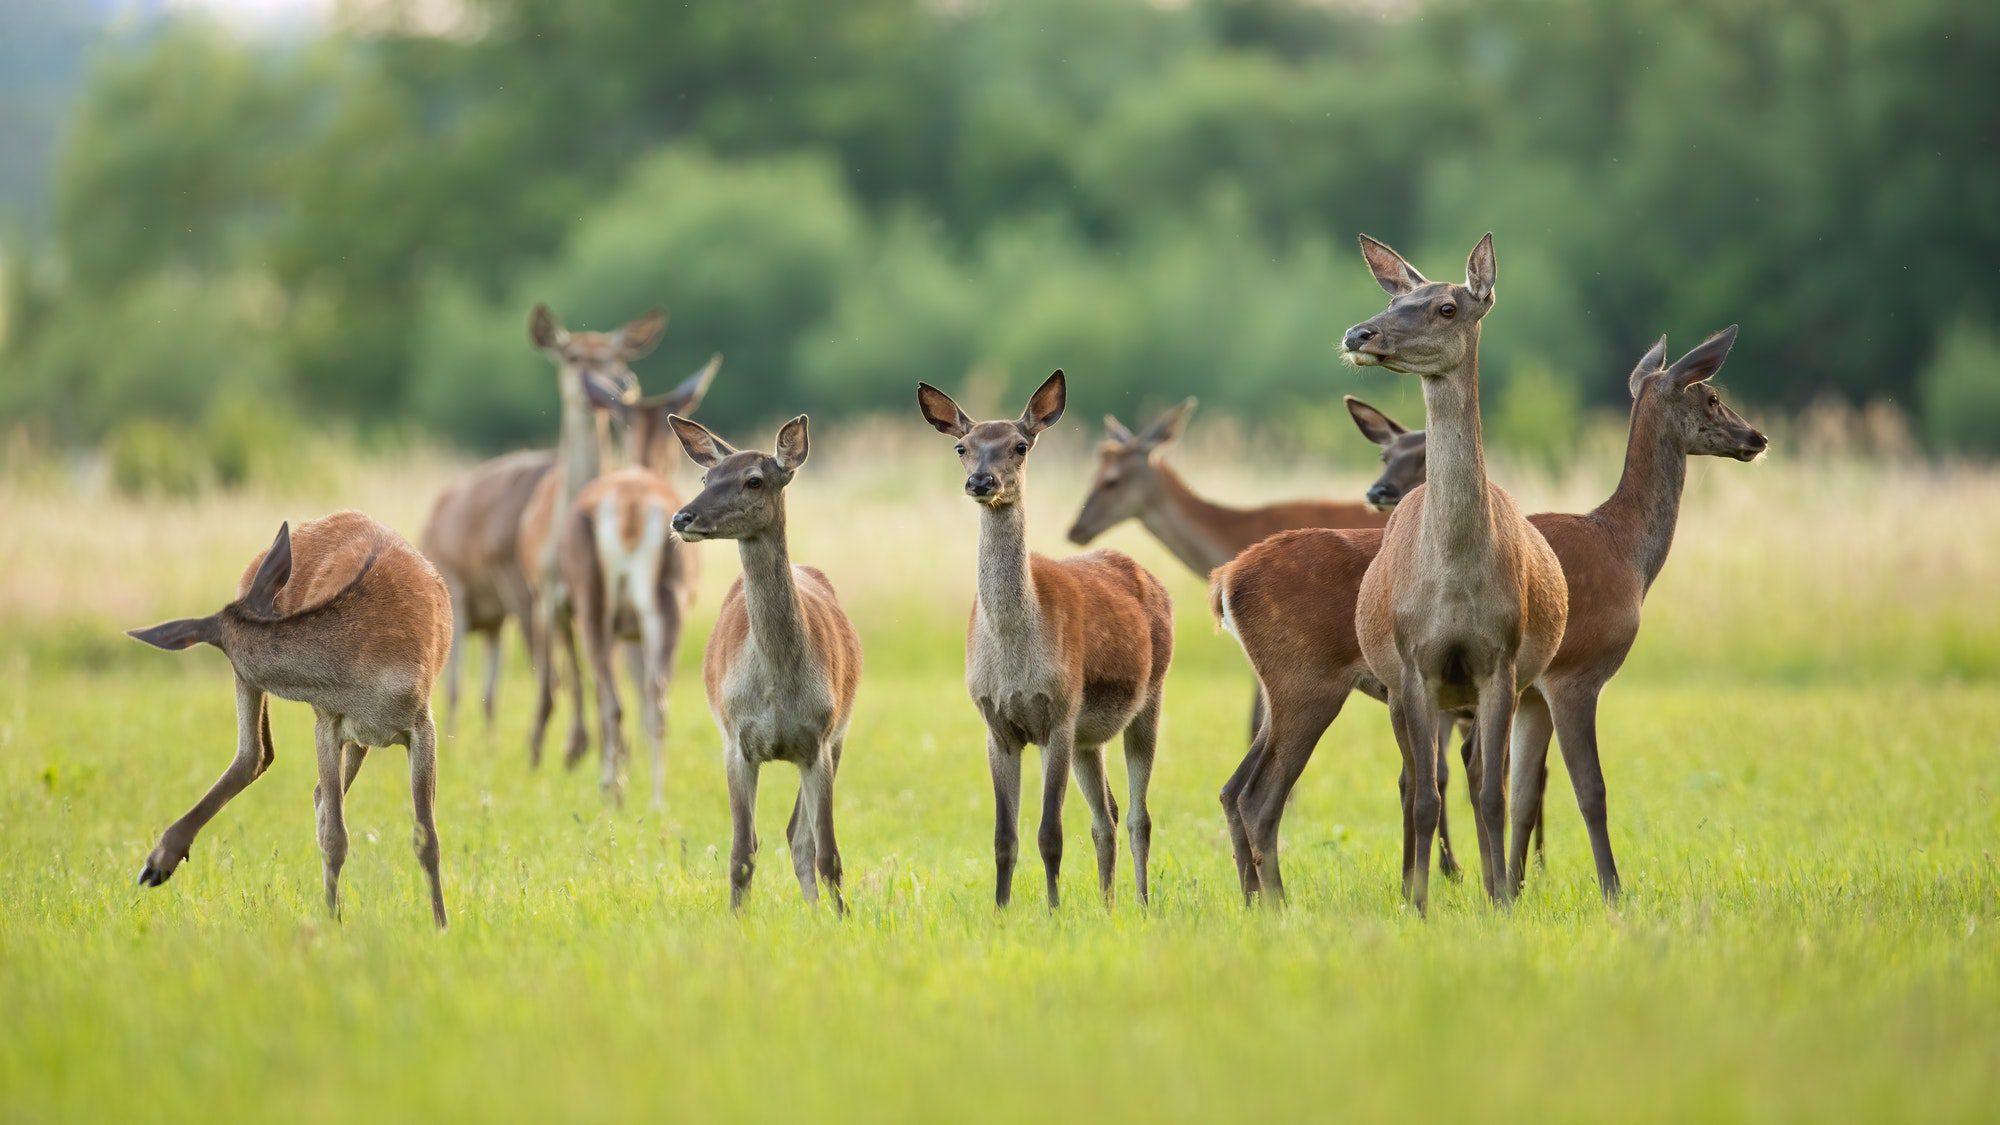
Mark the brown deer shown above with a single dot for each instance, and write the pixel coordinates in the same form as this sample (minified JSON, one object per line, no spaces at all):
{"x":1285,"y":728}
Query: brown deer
{"x":1062,"y":653}
{"x":1465,"y":604}
{"x":630,"y":580}
{"x":1610,"y":557}
{"x":1289,"y":602}
{"x":1133,"y":482}
{"x":783,"y":663}
{"x":472,"y":537}
{"x":347,"y":616}
{"x":593,"y":375}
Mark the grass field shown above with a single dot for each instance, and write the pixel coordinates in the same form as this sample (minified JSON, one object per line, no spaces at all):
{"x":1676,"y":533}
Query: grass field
{"x":1801,"y":760}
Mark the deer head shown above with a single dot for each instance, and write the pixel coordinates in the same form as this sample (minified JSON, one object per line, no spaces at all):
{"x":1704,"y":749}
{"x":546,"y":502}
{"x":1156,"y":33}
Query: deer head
{"x":1430,"y":327}
{"x":595,"y":368}
{"x":994,"y":454}
{"x":1127,"y":481}
{"x":742,"y":491}
{"x":1688,"y":407}
{"x":647,"y":435}
{"x":1402,"y":454}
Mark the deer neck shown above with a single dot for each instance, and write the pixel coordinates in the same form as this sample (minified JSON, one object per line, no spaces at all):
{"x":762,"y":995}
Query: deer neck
{"x":1186,"y":523}
{"x":1006,"y":584}
{"x":771,"y":594}
{"x":1458,"y":512}
{"x":580,"y":452}
{"x":1644,"y":508}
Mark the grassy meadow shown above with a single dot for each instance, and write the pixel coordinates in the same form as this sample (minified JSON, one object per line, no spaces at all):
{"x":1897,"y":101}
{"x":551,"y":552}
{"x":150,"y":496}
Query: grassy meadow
{"x":1803,"y":789}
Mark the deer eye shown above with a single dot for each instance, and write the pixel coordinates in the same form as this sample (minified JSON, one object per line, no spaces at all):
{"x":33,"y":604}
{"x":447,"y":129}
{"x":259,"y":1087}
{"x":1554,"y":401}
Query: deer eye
{"x":961,"y":449}
{"x":1447,"y":310}
{"x":1020,"y":447}
{"x":754,"y":483}
{"x":1715,"y":400}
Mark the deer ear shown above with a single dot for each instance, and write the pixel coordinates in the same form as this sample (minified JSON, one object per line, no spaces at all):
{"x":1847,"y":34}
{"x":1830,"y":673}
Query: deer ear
{"x":1392,"y":273}
{"x":1649,"y":364}
{"x":1117,"y":431}
{"x":1375,"y":425}
{"x":790,"y":451}
{"x":1167,"y":427}
{"x":703,"y":447}
{"x":684,"y":398}
{"x":943,"y":414}
{"x":176,"y":635}
{"x":1481,"y":270}
{"x":1045,"y":406}
{"x":544,"y":330}
{"x":638,"y":339}
{"x":272,"y":574}
{"x":1703,"y":361}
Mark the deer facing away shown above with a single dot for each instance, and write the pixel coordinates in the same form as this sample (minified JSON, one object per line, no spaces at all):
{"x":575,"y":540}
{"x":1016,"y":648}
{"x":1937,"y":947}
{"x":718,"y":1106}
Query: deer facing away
{"x":1062,"y":653}
{"x":783,"y":663}
{"x":630,"y":580}
{"x":347,"y":616}
{"x":1465,"y":604}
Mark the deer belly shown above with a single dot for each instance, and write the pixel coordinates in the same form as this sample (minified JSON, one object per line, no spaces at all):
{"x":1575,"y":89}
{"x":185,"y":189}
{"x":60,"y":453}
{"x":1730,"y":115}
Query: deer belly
{"x":1020,"y":716}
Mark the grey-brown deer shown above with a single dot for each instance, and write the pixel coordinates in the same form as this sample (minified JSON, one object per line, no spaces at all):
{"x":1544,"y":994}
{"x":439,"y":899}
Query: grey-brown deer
{"x":1465,"y":604}
{"x":1062,"y":653}
{"x":783,"y":663}
{"x":347,"y":616}
{"x":631,"y":581}
{"x":593,"y":377}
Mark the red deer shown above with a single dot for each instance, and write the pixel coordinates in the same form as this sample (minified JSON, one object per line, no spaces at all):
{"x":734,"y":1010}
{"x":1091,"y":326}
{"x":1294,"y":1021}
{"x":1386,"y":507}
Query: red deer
{"x":630,"y":580}
{"x":1062,"y":653}
{"x":783,"y":663}
{"x":593,"y":375}
{"x":1465,"y":604}
{"x":347,"y":616}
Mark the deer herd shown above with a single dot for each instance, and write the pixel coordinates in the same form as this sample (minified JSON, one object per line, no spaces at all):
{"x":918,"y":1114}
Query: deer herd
{"x":1436,"y":595}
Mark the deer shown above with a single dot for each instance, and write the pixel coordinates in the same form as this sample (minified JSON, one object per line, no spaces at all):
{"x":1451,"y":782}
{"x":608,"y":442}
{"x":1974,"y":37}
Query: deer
{"x":345,"y":615}
{"x":1062,"y":653}
{"x":1465,"y":603}
{"x":784,"y":662}
{"x":1289,"y":602}
{"x":629,"y":580}
{"x":593,"y":376}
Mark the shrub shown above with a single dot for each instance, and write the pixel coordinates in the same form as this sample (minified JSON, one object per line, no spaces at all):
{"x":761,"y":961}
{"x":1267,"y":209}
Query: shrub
{"x":1961,"y":390}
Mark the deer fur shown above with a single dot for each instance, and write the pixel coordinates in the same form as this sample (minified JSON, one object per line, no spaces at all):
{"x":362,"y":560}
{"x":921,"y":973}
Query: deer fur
{"x":783,"y":663}
{"x":1465,"y":604}
{"x":1062,"y":653}
{"x":472,"y":537}
{"x":593,"y":376}
{"x":345,"y":615}
{"x":630,"y":580}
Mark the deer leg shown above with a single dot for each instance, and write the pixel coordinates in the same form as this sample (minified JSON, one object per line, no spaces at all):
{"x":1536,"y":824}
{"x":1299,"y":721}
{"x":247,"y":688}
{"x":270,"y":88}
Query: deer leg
{"x":1575,"y":711}
{"x":1232,"y":812}
{"x":329,"y":802}
{"x":743,"y":823}
{"x":351,"y":765}
{"x":826,"y":849}
{"x":1413,"y":717}
{"x":254,"y":755}
{"x":799,"y":840}
{"x":1256,"y":713}
{"x":660,"y":638}
{"x":1292,"y":729}
{"x":1528,"y":761}
{"x":1142,"y":739}
{"x":1056,"y":755}
{"x":519,"y":603}
{"x":454,"y":662}
{"x":423,"y":802}
{"x":594,"y":609}
{"x":489,"y":696}
{"x":541,"y":647}
{"x":1088,"y":762}
{"x":1005,"y":763}
{"x":579,"y":723}
{"x":1496,"y":720}
{"x":1447,"y":859}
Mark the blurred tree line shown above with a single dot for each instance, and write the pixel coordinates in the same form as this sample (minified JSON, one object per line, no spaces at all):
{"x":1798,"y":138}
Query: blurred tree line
{"x":847,"y":197}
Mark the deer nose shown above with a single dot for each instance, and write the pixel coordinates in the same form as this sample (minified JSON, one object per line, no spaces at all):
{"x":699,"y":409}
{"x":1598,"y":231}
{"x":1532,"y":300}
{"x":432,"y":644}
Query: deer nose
{"x":982,"y":484}
{"x":683,"y":520}
{"x":1357,"y":336}
{"x":1382,"y":495}
{"x":1758,"y":439}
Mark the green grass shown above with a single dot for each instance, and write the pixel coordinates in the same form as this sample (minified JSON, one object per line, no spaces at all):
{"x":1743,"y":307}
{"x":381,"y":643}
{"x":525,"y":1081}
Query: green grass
{"x":1809,"y":928}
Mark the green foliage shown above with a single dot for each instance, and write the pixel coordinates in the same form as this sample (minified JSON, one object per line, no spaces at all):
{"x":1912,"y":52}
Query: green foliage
{"x":1961,"y":390}
{"x":1540,"y":414}
{"x":148,"y":458}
